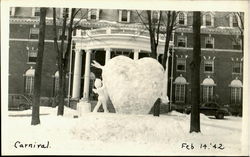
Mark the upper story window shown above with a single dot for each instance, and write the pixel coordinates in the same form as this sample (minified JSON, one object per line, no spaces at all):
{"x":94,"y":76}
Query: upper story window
{"x":181,"y":64}
{"x":36,"y":12}
{"x":237,"y":67}
{"x":60,"y":36}
{"x":209,"y":42}
{"x":182,"y":41}
{"x":237,"y":44}
{"x":93,"y":14}
{"x":208,"y":19}
{"x":155,"y":16}
{"x":32,"y":55}
{"x":124,"y":16}
{"x":208,"y":66}
{"x":34,"y":33}
{"x":234,"y":20}
{"x":182,"y":18}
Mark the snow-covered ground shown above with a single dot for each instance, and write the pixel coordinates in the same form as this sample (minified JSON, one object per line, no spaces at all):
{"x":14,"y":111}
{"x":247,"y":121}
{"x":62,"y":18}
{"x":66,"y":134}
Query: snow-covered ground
{"x":99,"y":133}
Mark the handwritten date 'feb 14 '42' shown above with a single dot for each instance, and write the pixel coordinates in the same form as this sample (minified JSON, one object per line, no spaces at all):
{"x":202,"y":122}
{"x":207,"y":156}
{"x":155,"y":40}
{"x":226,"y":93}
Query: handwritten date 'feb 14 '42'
{"x":191,"y":146}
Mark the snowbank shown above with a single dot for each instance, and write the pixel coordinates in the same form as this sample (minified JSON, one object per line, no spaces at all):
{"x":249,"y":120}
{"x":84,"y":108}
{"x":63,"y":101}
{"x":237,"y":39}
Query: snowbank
{"x":118,"y":134}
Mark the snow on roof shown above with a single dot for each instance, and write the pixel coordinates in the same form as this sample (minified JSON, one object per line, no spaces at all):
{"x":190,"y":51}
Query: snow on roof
{"x":236,"y":83}
{"x":180,"y":80}
{"x":208,"y":82}
{"x":30,"y":72}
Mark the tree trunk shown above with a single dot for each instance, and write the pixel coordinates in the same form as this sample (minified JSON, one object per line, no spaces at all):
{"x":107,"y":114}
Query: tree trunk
{"x":153,"y":44}
{"x":38,"y":69}
{"x":195,"y":74}
{"x":62,"y":73}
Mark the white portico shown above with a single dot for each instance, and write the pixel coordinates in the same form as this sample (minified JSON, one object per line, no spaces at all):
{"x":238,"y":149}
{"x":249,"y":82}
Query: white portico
{"x":108,"y":39}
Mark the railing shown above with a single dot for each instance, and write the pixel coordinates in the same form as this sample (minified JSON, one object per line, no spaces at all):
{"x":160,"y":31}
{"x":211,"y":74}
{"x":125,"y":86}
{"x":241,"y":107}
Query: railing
{"x":115,"y":31}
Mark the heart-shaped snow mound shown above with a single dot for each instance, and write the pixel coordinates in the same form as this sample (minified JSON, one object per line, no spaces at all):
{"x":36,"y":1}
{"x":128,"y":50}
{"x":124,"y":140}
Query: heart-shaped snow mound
{"x":133,"y":85}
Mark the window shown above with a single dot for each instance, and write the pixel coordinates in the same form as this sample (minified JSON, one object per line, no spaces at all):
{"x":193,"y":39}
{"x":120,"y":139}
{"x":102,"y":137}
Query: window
{"x":209,"y":42}
{"x":60,"y":34}
{"x":155,"y":16}
{"x":208,"y":19}
{"x":179,"y":92}
{"x":181,"y":18}
{"x":34,"y":33}
{"x":181,"y":64}
{"x":208,"y":66}
{"x":36,"y":12}
{"x":124,"y":15}
{"x":29,"y":81}
{"x":237,"y":67}
{"x":32,"y":55}
{"x":181,"y":41}
{"x":235,"y":95}
{"x":207,"y":93}
{"x":237,"y":43}
{"x":93,"y":14}
{"x":236,"y":91}
{"x":235,"y":21}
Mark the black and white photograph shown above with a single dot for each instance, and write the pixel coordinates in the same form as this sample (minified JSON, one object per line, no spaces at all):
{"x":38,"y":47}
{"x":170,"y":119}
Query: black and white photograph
{"x":159,"y":78}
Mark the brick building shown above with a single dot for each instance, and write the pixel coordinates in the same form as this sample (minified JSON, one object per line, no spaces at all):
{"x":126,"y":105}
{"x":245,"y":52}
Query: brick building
{"x":103,"y":33}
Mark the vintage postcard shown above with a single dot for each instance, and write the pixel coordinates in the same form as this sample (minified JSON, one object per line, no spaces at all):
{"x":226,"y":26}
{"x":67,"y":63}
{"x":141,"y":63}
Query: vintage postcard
{"x":140,"y":77}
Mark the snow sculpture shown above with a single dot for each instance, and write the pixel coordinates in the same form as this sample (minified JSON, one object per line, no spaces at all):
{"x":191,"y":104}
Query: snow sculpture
{"x":133,"y":86}
{"x":102,"y":99}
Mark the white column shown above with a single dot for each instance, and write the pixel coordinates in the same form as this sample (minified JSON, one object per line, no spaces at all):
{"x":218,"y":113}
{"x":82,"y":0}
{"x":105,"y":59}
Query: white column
{"x":136,"y":54}
{"x":107,"y":55}
{"x":87,"y":76}
{"x":77,"y":74}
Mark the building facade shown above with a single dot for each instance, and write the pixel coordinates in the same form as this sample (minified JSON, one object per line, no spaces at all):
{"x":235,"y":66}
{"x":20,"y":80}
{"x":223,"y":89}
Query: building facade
{"x":101,"y":34}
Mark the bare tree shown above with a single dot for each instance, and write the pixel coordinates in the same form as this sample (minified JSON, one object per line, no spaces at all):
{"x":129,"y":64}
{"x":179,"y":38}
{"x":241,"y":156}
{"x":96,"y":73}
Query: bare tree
{"x":195,"y":74}
{"x":38,"y":69}
{"x":63,"y":56}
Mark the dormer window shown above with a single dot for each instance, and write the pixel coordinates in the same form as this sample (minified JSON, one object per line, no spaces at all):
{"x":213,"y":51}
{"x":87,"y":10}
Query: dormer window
{"x":36,"y":12}
{"x":182,"y":18}
{"x":155,"y":16}
{"x":234,"y":20}
{"x":93,"y":14}
{"x":124,"y":16}
{"x":208,"y":19}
